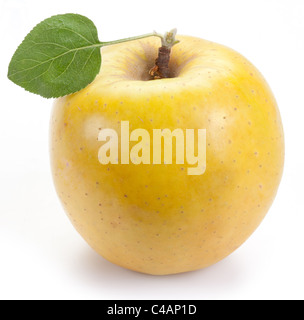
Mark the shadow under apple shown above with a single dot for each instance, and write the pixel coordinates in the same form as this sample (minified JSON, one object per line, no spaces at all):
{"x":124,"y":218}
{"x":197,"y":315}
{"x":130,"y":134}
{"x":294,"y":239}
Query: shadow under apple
{"x":120,"y":283}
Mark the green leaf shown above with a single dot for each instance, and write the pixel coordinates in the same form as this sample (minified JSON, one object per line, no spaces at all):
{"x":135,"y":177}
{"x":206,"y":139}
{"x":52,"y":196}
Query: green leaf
{"x":60,"y":56}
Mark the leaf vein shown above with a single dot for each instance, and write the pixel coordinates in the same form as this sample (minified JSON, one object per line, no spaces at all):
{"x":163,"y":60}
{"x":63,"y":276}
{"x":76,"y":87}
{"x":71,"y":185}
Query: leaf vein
{"x":54,"y":58}
{"x":67,"y":66}
{"x":89,"y":57}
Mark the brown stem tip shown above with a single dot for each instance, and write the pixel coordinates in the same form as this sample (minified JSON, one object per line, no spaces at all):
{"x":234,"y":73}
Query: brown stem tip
{"x":161,"y":67}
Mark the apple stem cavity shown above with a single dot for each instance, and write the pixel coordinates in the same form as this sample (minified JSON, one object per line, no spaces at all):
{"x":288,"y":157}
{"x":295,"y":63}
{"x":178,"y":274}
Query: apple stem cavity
{"x":161,"y":67}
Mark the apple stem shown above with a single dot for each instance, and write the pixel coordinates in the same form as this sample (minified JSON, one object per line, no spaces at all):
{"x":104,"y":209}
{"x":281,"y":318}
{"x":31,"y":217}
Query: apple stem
{"x":161,"y":67}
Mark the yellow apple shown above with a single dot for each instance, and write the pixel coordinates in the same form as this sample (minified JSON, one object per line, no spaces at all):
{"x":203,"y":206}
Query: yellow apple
{"x":157,"y":218}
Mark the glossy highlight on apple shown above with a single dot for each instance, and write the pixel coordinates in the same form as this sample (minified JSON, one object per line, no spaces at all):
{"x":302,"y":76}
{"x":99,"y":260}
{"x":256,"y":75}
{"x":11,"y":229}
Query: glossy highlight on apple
{"x":158,"y":148}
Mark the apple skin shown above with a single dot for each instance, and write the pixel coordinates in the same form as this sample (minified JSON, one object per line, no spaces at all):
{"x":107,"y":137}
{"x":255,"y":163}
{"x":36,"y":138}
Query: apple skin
{"x":156,"y":219}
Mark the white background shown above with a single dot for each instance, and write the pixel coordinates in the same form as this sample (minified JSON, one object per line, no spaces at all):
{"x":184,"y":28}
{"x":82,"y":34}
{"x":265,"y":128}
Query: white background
{"x":43,"y":257}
